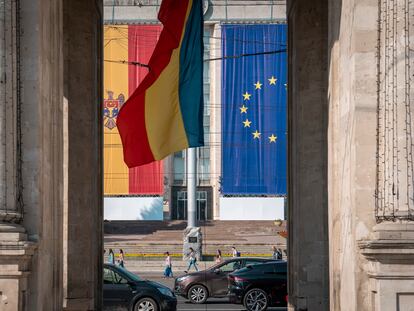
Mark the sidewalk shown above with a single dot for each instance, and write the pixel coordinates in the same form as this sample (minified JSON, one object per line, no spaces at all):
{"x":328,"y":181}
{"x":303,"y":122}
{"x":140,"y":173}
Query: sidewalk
{"x":157,"y":266}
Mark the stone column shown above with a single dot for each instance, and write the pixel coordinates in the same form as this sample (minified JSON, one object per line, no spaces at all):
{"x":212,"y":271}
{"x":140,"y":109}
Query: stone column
{"x":308,"y":276}
{"x":395,"y":168}
{"x":15,"y":250}
{"x":10,"y":140}
{"x":83,"y":234}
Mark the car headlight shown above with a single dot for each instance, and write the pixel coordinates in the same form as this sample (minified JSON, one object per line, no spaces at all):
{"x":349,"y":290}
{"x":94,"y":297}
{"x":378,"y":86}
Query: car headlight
{"x":182,"y":278}
{"x":165,"y":291}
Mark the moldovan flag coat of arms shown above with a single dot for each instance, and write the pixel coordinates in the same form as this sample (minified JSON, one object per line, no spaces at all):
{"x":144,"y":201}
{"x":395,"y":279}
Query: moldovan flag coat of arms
{"x":165,"y":112}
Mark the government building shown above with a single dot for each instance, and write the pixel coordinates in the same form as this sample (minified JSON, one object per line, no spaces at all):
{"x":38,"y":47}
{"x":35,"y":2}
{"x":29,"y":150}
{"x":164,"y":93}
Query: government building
{"x":239,"y":178}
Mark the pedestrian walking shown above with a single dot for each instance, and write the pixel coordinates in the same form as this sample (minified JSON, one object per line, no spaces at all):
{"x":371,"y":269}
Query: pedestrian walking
{"x":218,"y":256}
{"x":235,"y":252}
{"x":121,"y":258}
{"x":168,"y":266}
{"x":111,"y":256}
{"x":277,"y":253}
{"x":192,"y":260}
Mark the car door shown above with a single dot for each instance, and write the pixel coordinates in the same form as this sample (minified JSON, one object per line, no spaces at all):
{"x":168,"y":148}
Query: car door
{"x":218,"y":282}
{"x":278,"y":290}
{"x":117,"y":293}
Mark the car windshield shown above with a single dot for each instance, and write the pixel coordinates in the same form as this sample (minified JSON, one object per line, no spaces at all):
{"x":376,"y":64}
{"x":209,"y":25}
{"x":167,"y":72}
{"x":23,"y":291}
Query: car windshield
{"x":218,"y":265}
{"x":131,"y":275}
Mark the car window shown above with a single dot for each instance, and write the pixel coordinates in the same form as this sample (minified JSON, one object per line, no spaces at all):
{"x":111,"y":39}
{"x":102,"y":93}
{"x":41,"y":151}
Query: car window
{"x":111,"y":277}
{"x":231,"y":266}
{"x":249,"y":262}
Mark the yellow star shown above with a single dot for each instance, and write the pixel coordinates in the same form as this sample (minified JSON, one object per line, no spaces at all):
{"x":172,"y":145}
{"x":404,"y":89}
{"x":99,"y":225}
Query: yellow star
{"x":247,"y":123}
{"x":272,"y":138}
{"x":243,"y":109}
{"x":272,"y":80}
{"x":258,"y":85}
{"x":286,"y":86}
{"x":247,"y":96}
{"x":256,"y":134}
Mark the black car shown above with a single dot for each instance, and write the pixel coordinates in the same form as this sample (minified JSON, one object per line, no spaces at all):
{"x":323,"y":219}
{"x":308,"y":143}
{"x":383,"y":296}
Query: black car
{"x":124,"y":290}
{"x":260,"y":286}
{"x":199,"y":286}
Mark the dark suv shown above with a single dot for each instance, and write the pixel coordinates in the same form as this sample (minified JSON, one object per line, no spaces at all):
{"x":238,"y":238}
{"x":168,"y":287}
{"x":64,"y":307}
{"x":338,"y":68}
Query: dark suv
{"x":260,"y":286}
{"x":199,"y":286}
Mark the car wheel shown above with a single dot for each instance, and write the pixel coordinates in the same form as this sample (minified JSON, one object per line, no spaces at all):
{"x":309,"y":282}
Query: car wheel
{"x":146,"y":304}
{"x":256,"y":300}
{"x":198,"y":294}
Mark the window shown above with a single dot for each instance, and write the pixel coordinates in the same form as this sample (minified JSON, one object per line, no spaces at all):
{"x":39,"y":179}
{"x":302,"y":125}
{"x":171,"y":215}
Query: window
{"x":231,"y":266}
{"x":111,"y":277}
{"x":179,"y":167}
{"x":252,"y":262}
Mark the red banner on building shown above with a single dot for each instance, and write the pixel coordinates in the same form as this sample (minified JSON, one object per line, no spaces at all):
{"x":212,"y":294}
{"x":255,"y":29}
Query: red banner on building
{"x":146,"y":179}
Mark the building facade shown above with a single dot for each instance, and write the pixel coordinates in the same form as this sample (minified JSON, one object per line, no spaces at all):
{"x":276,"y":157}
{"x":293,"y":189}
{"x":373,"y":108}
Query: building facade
{"x":167,"y":199}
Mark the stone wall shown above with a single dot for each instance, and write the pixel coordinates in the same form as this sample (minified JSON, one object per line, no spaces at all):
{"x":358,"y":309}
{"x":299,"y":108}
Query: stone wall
{"x":350,"y":70}
{"x":352,"y":146}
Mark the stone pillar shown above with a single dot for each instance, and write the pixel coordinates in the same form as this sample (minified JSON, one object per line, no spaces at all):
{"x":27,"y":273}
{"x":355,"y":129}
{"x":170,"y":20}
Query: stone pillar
{"x":395,"y":167}
{"x":390,"y":252}
{"x":10,"y":140}
{"x":308,"y":273}
{"x":15,"y":250}
{"x":389,"y":248}
{"x":83,"y":234}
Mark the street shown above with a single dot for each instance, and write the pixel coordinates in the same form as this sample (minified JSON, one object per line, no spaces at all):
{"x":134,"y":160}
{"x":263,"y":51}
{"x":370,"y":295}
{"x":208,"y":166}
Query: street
{"x":213,"y":304}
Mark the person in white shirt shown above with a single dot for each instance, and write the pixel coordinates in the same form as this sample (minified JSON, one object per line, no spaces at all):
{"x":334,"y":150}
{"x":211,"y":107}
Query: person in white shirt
{"x":235,"y":253}
{"x":168,"y":266}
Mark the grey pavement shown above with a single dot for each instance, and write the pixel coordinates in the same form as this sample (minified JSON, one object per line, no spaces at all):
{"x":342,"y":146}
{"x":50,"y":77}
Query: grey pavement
{"x":184,"y":305}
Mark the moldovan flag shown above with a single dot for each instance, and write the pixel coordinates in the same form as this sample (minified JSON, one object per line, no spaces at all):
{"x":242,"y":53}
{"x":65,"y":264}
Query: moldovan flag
{"x":165,"y":112}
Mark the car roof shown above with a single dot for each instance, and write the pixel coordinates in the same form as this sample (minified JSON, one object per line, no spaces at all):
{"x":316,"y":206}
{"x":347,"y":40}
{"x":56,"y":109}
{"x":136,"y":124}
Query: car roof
{"x":261,"y":265}
{"x":275,"y":262}
{"x":249,"y":258}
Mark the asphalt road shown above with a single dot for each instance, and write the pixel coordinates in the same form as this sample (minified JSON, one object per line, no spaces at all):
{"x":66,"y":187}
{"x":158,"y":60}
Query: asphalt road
{"x":214,"y":305}
{"x":211,"y":305}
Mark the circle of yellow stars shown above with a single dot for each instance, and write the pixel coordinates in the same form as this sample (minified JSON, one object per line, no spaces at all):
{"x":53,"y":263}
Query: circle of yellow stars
{"x":243,"y":109}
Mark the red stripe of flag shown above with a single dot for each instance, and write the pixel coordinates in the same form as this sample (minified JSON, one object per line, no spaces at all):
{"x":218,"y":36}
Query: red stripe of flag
{"x":148,"y":178}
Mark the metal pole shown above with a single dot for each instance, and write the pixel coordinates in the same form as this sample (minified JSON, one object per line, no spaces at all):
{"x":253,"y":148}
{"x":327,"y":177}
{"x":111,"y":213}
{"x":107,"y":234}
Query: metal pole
{"x":191,"y":187}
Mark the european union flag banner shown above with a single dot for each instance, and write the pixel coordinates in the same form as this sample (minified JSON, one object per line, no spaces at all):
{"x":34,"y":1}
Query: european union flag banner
{"x":254,"y":116}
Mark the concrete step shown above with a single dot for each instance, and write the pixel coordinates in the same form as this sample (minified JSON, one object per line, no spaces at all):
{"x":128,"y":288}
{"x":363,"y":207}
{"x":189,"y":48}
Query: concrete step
{"x":150,"y":239}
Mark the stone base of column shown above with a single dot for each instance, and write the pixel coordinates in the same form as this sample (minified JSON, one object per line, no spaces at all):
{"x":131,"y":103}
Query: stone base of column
{"x":15,"y":256}
{"x":390,"y":254}
{"x":193,"y":238}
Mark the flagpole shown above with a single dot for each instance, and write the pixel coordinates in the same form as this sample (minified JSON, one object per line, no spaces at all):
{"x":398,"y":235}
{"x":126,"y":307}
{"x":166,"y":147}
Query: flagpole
{"x":191,"y":187}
